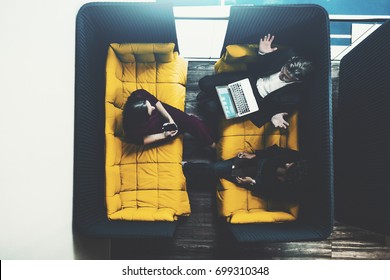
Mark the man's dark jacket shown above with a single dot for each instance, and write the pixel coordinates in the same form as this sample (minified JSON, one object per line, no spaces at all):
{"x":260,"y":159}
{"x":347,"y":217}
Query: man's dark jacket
{"x":285,"y":99}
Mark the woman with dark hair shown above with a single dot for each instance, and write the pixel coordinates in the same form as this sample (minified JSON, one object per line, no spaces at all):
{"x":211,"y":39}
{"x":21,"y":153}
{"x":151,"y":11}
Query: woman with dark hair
{"x":274,"y":173}
{"x":146,"y":120}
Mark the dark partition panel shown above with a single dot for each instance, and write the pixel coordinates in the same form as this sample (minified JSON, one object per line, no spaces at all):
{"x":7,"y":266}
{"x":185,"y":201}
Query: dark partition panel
{"x":305,"y":28}
{"x":362,"y":135}
{"x":98,"y":25}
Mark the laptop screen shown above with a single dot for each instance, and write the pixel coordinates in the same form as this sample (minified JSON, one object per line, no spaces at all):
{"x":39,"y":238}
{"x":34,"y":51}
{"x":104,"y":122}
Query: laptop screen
{"x":227,"y":102}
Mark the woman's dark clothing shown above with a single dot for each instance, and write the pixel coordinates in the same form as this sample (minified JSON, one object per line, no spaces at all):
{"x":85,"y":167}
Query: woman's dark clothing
{"x":135,"y":132}
{"x":262,"y":169}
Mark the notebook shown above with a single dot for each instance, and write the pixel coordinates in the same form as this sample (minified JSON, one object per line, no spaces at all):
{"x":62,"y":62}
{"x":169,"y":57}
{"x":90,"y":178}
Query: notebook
{"x":237,"y":99}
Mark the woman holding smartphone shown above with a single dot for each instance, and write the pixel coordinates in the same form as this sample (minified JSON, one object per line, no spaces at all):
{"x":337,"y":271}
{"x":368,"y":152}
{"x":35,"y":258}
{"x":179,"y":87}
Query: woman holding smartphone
{"x":146,"y":120}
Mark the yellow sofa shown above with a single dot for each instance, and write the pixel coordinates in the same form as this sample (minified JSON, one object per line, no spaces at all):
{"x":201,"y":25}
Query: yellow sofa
{"x":236,"y":58}
{"x":143,"y":183}
{"x":237,"y":204}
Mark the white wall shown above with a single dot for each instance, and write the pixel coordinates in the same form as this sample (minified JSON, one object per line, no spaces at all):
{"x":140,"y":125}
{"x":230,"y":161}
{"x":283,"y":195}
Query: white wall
{"x":37,"y":58}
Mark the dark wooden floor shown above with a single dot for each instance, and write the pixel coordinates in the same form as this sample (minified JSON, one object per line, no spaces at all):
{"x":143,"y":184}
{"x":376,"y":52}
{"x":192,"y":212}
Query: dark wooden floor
{"x":201,"y":236}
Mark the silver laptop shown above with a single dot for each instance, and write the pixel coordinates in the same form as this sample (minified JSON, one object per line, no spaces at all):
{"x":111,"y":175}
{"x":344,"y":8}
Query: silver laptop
{"x":237,"y":99}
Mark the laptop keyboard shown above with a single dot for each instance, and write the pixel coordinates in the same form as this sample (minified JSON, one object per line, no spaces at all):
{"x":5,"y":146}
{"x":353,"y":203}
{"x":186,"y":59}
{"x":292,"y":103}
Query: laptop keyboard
{"x":239,"y":98}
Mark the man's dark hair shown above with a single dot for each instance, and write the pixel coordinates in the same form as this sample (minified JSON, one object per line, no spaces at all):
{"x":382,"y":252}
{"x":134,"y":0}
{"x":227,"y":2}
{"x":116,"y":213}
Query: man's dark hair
{"x":295,"y":180}
{"x":299,"y":67}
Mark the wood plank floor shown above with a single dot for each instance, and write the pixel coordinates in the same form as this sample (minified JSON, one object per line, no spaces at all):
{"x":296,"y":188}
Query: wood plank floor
{"x":201,"y":237}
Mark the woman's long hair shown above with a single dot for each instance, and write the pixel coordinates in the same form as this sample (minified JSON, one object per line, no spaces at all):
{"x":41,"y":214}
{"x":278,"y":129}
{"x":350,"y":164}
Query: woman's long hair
{"x":296,"y":179}
{"x":135,"y":111}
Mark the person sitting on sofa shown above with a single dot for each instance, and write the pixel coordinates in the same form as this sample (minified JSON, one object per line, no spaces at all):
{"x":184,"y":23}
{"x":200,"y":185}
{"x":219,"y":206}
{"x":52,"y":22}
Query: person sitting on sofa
{"x":146,"y":120}
{"x":273,"y":173}
{"x":276,"y":78}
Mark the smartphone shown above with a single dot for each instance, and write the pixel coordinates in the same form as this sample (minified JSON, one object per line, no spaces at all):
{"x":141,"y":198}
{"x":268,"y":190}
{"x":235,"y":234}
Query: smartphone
{"x":169,"y":127}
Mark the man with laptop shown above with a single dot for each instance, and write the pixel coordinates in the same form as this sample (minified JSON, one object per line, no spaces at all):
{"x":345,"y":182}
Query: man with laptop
{"x":270,"y":89}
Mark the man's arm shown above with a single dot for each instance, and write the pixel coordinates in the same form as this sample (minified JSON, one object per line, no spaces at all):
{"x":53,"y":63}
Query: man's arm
{"x":284,"y":100}
{"x":271,"y":58}
{"x":268,"y":64}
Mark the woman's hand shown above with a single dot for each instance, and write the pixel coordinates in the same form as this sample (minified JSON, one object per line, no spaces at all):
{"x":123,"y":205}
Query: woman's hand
{"x":170,"y":133}
{"x":245,"y":155}
{"x":170,"y":126}
{"x":164,"y":112}
{"x":245,"y":180}
{"x":265,"y":44}
{"x":174,"y":132}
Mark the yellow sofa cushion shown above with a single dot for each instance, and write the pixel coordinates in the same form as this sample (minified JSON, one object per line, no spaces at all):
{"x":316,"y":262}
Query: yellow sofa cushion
{"x":143,"y":183}
{"x":130,"y":53}
{"x":236,"y":58}
{"x":237,"y":204}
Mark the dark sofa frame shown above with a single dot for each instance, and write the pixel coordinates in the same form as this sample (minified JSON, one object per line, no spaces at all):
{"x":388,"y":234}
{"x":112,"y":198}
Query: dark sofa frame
{"x":305,"y":28}
{"x":98,"y":25}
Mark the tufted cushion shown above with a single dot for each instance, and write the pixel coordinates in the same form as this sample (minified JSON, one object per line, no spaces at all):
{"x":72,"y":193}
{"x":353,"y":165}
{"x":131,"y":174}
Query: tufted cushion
{"x":240,"y":53}
{"x":237,"y":204}
{"x":128,"y":53}
{"x":143,"y":183}
{"x":236,"y":58}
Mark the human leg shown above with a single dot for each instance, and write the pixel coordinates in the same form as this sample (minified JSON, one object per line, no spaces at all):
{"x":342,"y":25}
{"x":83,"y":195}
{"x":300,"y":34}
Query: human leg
{"x":223,"y":169}
{"x":206,"y":175}
{"x":192,"y":125}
